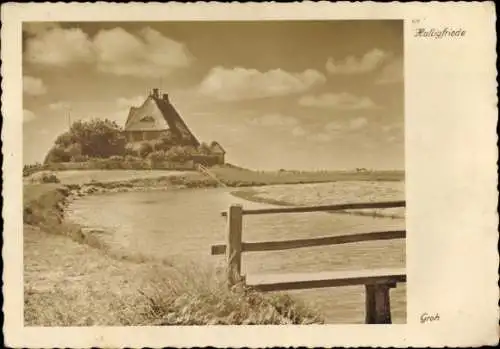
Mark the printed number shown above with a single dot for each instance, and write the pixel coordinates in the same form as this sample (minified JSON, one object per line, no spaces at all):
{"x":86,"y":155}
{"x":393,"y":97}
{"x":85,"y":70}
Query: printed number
{"x":415,"y":21}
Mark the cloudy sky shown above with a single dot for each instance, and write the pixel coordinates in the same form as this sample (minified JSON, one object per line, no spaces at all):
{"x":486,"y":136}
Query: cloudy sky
{"x":287,"y":94}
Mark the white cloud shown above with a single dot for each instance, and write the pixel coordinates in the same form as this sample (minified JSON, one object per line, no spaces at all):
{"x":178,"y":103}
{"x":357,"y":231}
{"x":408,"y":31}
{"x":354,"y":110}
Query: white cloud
{"x":136,"y":101}
{"x":393,"y":127}
{"x":59,"y":47}
{"x":146,"y":53}
{"x":321,"y":137}
{"x":274,"y":120}
{"x":333,"y":129}
{"x":298,"y":131}
{"x":343,"y":101}
{"x":333,"y":126}
{"x":358,"y":123}
{"x":354,"y":65}
{"x":28,"y":115}
{"x":61,"y":105}
{"x":391,"y":73}
{"x":33,"y":86}
{"x":241,"y":83}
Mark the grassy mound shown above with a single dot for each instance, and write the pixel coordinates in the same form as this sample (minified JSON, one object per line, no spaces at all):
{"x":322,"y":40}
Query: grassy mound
{"x":190,"y":296}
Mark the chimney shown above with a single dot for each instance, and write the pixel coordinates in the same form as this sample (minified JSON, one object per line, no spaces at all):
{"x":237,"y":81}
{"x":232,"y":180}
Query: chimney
{"x":165,"y":97}
{"x":156,"y":93}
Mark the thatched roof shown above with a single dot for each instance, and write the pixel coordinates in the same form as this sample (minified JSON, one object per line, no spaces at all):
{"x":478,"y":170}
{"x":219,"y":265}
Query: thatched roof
{"x":158,"y":114}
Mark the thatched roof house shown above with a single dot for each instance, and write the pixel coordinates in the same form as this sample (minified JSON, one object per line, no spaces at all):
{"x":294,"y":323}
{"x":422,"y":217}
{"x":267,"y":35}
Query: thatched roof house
{"x":155,"y":117}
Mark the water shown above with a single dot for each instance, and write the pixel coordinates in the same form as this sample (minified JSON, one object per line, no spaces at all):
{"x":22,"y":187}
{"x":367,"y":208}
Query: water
{"x":182,"y":224}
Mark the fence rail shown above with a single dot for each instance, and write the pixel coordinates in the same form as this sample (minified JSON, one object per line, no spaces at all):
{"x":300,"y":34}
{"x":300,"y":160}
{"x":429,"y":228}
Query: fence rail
{"x":219,"y":249}
{"x":377,"y":282}
{"x":323,"y":208}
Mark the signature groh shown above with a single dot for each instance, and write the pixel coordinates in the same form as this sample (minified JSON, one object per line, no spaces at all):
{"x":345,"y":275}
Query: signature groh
{"x":426,"y":318}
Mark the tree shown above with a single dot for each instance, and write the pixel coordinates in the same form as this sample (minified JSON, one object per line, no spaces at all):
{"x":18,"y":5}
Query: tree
{"x":167,"y":140}
{"x":96,"y":138}
{"x":57,"y":154}
{"x":74,"y":150}
{"x":145,"y":149}
{"x":204,"y":149}
{"x":178,"y":153}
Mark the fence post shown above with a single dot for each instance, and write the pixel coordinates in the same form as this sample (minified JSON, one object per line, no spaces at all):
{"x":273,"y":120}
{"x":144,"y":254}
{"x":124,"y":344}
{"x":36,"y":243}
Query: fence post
{"x":378,"y":308}
{"x":233,"y":245}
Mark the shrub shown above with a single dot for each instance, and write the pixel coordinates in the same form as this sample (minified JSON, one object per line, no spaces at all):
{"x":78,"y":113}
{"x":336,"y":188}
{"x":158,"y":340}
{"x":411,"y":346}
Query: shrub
{"x":116,"y":158}
{"x":74,"y":150}
{"x":130,"y":158}
{"x":180,"y":153}
{"x":50,"y":178}
{"x":167,"y":140}
{"x":204,"y":149}
{"x":194,"y":295}
{"x":156,"y":144}
{"x":57,"y":154}
{"x":157,"y":156}
{"x":33,"y":168}
{"x":130,"y":150}
{"x":145,"y":148}
{"x":134,"y":163}
{"x":45,"y":177}
{"x":79,"y":158}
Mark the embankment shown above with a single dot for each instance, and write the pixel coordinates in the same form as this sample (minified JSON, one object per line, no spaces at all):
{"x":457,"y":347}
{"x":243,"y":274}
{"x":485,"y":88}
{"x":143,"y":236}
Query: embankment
{"x":71,"y":279}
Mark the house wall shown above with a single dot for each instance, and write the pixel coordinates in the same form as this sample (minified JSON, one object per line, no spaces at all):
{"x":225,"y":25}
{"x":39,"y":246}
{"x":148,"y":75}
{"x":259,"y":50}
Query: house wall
{"x":220,"y":158}
{"x":137,"y":136}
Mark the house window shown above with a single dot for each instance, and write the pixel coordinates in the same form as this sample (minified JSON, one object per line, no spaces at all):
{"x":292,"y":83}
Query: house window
{"x":147,"y":118}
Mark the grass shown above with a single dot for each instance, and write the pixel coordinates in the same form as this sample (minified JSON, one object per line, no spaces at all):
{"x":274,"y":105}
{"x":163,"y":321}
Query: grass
{"x":98,"y":294}
{"x":81,"y":177}
{"x":194,"y":296}
{"x":238,"y":177}
{"x":76,"y":282}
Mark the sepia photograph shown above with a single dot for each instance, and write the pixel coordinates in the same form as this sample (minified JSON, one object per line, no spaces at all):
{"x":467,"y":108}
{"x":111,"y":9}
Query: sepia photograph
{"x":213,"y":173}
{"x":249,"y":175}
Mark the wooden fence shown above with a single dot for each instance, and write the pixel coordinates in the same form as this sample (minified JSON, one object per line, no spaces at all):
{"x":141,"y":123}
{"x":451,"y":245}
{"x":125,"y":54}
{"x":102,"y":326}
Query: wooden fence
{"x":377,"y":282}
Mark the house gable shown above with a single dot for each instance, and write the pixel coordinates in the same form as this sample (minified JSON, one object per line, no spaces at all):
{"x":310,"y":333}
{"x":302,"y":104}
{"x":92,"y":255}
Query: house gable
{"x":158,"y":114}
{"x":147,"y":117}
{"x":216,"y":148}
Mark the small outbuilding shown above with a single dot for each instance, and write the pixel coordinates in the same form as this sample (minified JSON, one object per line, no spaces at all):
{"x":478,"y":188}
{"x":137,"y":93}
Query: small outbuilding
{"x":218,"y":151}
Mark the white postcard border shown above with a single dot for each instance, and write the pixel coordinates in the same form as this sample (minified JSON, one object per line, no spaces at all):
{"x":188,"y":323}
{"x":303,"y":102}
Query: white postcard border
{"x":450,"y":123}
